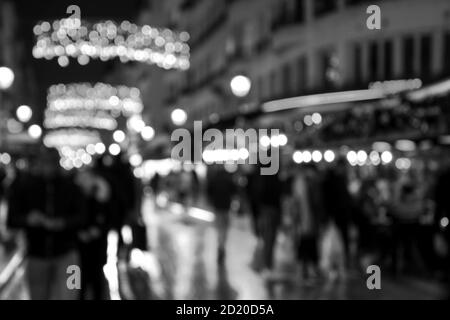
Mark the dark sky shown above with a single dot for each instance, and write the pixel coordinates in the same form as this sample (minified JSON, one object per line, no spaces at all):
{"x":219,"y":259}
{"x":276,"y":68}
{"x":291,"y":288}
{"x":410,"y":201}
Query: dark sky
{"x":46,"y":73}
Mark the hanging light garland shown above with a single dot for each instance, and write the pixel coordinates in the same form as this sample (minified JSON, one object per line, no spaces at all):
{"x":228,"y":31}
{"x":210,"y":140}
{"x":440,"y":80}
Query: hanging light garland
{"x":71,"y":138}
{"x":108,"y":40}
{"x":86,"y":106}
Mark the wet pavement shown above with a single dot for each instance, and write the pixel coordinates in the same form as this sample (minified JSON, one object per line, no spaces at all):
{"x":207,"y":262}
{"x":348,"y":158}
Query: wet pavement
{"x":184,"y":249}
{"x":182,"y":264}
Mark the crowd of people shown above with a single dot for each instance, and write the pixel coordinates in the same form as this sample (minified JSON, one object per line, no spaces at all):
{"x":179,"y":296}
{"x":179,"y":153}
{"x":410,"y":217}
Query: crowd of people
{"x":66,"y":217}
{"x":339,"y":218}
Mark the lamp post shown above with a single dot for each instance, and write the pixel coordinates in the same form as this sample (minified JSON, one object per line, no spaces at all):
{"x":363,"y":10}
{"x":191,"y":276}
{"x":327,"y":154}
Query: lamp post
{"x":6,"y":81}
{"x":240,"y":86}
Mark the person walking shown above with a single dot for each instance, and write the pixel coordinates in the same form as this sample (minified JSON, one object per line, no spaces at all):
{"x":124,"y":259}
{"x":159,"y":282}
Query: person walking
{"x":50,"y":209}
{"x":220,"y":191}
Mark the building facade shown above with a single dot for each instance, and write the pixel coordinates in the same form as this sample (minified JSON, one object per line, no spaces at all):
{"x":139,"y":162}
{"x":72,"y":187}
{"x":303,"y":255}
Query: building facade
{"x":296,"y":47}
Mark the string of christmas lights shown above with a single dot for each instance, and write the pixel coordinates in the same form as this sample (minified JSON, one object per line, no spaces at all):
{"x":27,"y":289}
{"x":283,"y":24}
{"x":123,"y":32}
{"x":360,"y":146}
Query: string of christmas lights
{"x":90,"y":106}
{"x":107,"y":40}
{"x":72,"y":138}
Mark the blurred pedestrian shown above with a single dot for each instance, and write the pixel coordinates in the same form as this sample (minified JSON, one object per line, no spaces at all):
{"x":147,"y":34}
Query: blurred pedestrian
{"x":338,"y":202}
{"x":93,"y":236}
{"x":407,"y":208}
{"x":307,"y":213}
{"x":49,"y":207}
{"x":442,"y":217}
{"x":270,"y":218}
{"x":220,"y":191}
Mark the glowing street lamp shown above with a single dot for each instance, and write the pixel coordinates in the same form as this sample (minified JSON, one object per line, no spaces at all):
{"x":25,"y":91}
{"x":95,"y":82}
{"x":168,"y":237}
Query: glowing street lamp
{"x":6,"y":78}
{"x":240,"y":86}
{"x":179,"y":117}
{"x":148,"y":133}
{"x":24,"y":114}
{"x":35,"y":131}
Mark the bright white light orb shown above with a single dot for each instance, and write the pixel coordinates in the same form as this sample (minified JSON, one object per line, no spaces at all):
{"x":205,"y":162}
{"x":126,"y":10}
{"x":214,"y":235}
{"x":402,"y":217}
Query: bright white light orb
{"x":317,"y":156}
{"x":297,"y":157}
{"x":24,"y":113}
{"x":136,"y":160}
{"x":100,"y":148}
{"x":179,"y":117}
{"x":6,"y":78}
{"x":148,"y":133}
{"x":135,"y":123}
{"x":35,"y":131}
{"x":265,"y":141}
{"x":329,"y":156}
{"x":307,"y":157}
{"x":240,"y":86}
{"x":387,"y":157}
{"x":114,"y":149}
{"x":119,"y":136}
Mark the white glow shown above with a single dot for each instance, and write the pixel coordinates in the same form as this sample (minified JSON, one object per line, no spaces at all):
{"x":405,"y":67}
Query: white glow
{"x":136,"y":160}
{"x":381,"y":146}
{"x":5,"y":158}
{"x":90,"y":148}
{"x":240,"y":86}
{"x":6,"y":78}
{"x":403,"y":164}
{"x":24,"y":113}
{"x":63,"y":61}
{"x":438,"y":89}
{"x":297,"y":157}
{"x":179,"y":117}
{"x":352,"y":157}
{"x":375,"y":158}
{"x":308,"y":120}
{"x":317,"y":156}
{"x":119,"y":136}
{"x":135,"y":123}
{"x":106,"y":40}
{"x":100,"y":148}
{"x":265,"y":141}
{"x":35,"y":131}
{"x":244,"y":154}
{"x":283,"y":140}
{"x":86,"y":159}
{"x":148,"y":133}
{"x":274,"y":141}
{"x":307,"y":157}
{"x":201,"y":214}
{"x":361,"y":157}
{"x":323,"y":99}
{"x":329,"y":156}
{"x":316,"y":118}
{"x":405,"y":145}
{"x":114,"y":149}
{"x":127,"y":235}
{"x":444,"y":222}
{"x":387,"y":157}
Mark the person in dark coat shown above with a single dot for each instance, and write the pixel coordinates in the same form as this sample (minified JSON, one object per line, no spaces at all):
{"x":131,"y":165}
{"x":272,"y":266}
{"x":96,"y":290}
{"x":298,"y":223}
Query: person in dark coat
{"x":220,"y":191}
{"x":50,"y":209}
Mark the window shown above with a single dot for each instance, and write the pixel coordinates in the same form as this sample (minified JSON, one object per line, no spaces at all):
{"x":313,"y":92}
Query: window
{"x":330,"y":73}
{"x":357,"y":64}
{"x":322,"y":7}
{"x":388,"y":60}
{"x":425,"y":56}
{"x":373,"y":61}
{"x":287,"y":79}
{"x":408,"y":57}
{"x":273,"y":92}
{"x":302,"y":74}
{"x":299,"y":11}
{"x":446,"y":57}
